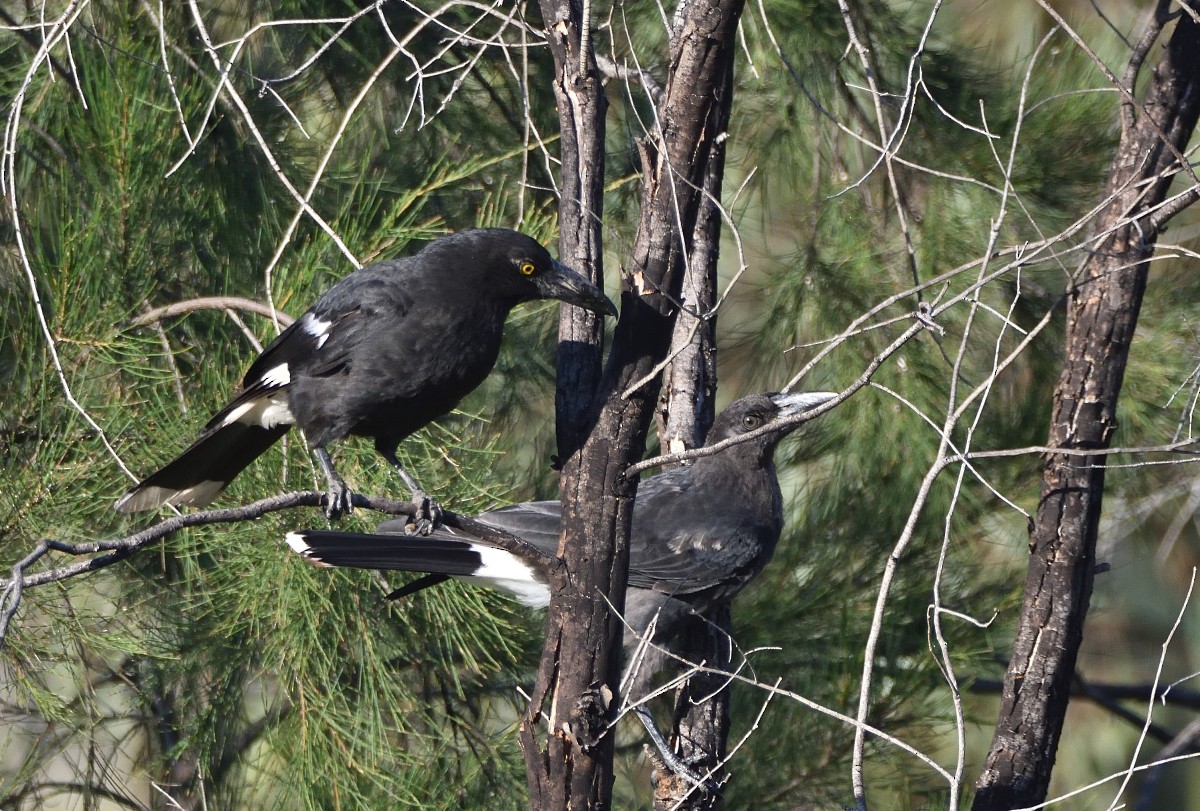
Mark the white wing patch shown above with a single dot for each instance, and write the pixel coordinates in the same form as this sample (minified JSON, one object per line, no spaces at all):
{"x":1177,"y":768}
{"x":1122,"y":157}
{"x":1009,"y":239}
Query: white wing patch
{"x":502,"y":570}
{"x":198,"y":494}
{"x":277,"y":376}
{"x":270,"y":411}
{"x":316,"y":328}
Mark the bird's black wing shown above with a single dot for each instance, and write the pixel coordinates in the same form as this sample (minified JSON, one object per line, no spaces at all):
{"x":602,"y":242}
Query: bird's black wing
{"x":538,"y":523}
{"x":311,"y":343}
{"x":690,"y":560}
{"x":315,"y":343}
{"x":686,"y":539}
{"x":319,"y":341}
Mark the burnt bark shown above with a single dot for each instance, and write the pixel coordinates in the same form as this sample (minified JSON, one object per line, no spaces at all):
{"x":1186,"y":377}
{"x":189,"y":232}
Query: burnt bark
{"x":1102,"y":312}
{"x":575,"y":694}
{"x":582,"y":106}
{"x":687,"y":407}
{"x":700,"y":727}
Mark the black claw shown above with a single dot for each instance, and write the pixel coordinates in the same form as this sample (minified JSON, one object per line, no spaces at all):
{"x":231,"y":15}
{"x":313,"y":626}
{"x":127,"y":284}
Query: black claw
{"x":426,"y":514}
{"x":674,"y":763}
{"x":338,"y":501}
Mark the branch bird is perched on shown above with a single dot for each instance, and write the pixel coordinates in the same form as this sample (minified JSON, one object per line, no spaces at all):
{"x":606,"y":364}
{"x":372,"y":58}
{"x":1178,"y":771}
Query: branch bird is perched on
{"x":700,"y":533}
{"x":385,"y":351}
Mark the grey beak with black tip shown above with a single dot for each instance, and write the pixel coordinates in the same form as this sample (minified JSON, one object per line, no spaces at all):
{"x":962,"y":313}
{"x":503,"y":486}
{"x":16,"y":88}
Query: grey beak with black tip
{"x":569,"y":285}
{"x":791,"y":404}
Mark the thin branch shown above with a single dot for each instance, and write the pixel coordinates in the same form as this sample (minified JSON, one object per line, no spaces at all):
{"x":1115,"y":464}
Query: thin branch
{"x":1130,"y":102}
{"x":34,"y":41}
{"x":1107,"y":692}
{"x":211,"y":303}
{"x":1157,"y":678}
{"x":798,"y":419}
{"x":700,"y":667}
{"x":1108,"y":779}
{"x":108,"y":552}
{"x":613,"y":70}
{"x":248,"y":119}
{"x":57,"y":31}
{"x":1187,"y":742}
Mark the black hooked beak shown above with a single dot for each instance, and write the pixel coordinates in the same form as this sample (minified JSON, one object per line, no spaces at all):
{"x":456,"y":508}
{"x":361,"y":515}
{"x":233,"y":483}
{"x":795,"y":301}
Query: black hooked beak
{"x":568,"y":285}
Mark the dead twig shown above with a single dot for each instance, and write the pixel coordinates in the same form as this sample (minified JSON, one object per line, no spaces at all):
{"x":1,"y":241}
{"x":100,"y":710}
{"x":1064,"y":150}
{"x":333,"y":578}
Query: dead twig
{"x":101,"y":554}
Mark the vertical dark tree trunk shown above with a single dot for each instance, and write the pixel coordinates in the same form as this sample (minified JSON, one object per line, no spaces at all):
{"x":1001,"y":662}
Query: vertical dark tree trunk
{"x":574,"y":696}
{"x":582,"y":105}
{"x":1102,"y":312}
{"x":687,"y":407}
{"x":558,"y":768}
{"x":701,"y":721}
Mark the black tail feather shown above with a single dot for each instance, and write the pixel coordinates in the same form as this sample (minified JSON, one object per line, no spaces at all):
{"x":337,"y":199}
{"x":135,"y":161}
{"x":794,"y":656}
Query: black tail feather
{"x":202,"y":471}
{"x":420,"y":584}
{"x":410,"y":553}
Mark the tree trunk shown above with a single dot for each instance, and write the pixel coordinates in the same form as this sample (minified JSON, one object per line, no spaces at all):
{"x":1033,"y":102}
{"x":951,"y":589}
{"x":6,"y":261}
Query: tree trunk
{"x":701,"y":722}
{"x":582,"y":105}
{"x":687,"y":407}
{"x":575,"y":692}
{"x":1102,"y":312}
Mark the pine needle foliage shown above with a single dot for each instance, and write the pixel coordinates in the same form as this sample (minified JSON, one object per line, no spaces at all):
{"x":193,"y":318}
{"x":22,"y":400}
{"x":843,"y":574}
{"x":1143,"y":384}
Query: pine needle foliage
{"x":220,"y":669}
{"x":217,"y":666}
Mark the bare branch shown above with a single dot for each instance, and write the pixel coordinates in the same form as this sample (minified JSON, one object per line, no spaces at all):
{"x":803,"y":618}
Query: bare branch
{"x":611,"y":69}
{"x":108,"y":552}
{"x":211,"y":303}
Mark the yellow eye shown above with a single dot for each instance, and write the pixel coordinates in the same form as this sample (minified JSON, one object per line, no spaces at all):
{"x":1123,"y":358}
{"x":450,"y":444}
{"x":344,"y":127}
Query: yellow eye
{"x":527,"y":268}
{"x":751,"y":421}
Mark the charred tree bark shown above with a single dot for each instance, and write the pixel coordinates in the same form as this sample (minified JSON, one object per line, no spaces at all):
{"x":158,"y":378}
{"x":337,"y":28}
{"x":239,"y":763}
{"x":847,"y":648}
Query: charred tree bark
{"x":701,"y":722}
{"x":1102,"y":312}
{"x":687,"y":407}
{"x":574,"y":696}
{"x":551,"y":765}
{"x":582,"y":106}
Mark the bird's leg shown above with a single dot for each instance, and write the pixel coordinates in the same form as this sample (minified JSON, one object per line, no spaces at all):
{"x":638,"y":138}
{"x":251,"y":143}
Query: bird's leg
{"x":671,"y":760}
{"x":426,"y":512}
{"x":338,"y":497}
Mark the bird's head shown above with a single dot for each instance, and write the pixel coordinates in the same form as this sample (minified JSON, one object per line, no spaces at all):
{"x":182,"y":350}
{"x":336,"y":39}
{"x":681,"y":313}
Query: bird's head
{"x":520,"y":269}
{"x":770,"y":413}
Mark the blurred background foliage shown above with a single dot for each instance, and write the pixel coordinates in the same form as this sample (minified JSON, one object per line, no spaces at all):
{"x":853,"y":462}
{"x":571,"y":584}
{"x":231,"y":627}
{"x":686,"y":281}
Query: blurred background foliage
{"x":220,"y":669}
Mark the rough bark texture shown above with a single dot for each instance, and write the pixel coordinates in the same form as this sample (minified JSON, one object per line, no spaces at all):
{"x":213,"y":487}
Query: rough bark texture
{"x":701,"y":723}
{"x":1102,"y":313}
{"x":582,"y":105}
{"x":575,"y":693}
{"x":687,"y":407}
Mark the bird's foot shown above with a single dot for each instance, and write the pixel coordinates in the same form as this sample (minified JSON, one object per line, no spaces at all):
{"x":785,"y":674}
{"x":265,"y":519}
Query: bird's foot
{"x":681,"y":768}
{"x":426,"y":514}
{"x":338,"y":500}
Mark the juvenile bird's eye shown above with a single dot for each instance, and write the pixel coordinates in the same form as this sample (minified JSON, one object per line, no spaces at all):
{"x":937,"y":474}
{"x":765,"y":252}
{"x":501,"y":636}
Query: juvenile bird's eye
{"x":751,"y":421}
{"x":527,"y":268}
